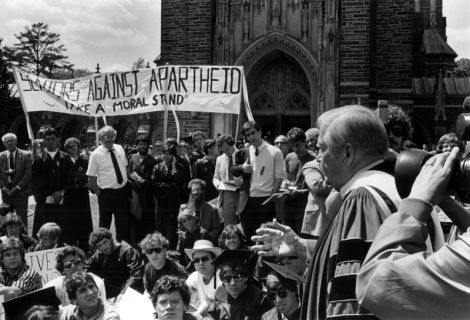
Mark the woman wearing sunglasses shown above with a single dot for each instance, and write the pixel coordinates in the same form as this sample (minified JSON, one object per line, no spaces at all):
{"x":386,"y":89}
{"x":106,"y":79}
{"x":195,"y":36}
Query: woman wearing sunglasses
{"x":203,"y":282}
{"x":398,"y":126}
{"x":155,"y":247}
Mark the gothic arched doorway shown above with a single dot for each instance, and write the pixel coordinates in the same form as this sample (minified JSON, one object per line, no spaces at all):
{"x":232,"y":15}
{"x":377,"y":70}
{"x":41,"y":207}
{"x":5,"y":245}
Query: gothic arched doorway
{"x":279,"y":92}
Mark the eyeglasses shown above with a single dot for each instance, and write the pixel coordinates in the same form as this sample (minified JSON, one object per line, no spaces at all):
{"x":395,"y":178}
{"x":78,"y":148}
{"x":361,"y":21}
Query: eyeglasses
{"x":397,"y":131}
{"x":156,"y":250}
{"x":280,"y":293}
{"x":236,"y":278}
{"x":201,"y":259}
{"x":71,"y":263}
{"x":280,"y":142}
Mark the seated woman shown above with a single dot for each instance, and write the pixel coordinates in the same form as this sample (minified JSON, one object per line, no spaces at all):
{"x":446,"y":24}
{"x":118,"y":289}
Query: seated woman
{"x":232,"y":238}
{"x":49,"y":237}
{"x":155,"y":247}
{"x":170,"y":298}
{"x":13,"y":226}
{"x":189,"y":232}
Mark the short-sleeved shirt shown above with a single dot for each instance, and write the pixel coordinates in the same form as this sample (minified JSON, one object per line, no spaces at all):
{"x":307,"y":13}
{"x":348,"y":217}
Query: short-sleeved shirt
{"x":26,"y":279}
{"x":101,"y":166}
{"x":195,"y":281}
{"x":61,"y":291}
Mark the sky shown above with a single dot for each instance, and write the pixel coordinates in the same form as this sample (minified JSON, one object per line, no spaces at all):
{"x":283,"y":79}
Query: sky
{"x":115,"y":33}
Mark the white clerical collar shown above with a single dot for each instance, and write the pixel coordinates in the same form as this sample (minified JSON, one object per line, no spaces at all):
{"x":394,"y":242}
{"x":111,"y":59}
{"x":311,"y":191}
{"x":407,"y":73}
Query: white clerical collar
{"x":362,"y":173}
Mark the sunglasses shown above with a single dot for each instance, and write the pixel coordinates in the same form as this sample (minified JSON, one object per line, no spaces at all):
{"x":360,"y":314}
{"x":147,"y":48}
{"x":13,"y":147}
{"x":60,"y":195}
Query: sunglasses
{"x":152,"y":250}
{"x":187,"y":219}
{"x":280,"y":293}
{"x":201,"y":259}
{"x":71,"y":263}
{"x":397,"y":131}
{"x":72,"y":147}
{"x":236,"y":278}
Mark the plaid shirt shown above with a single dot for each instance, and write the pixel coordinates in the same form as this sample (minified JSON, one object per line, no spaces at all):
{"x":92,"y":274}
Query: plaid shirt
{"x":25,"y":278}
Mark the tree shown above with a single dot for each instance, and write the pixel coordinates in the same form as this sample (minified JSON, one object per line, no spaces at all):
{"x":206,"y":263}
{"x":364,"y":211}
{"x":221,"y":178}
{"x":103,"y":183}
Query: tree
{"x":138,"y":64}
{"x":463,"y":68}
{"x":39,"y":51}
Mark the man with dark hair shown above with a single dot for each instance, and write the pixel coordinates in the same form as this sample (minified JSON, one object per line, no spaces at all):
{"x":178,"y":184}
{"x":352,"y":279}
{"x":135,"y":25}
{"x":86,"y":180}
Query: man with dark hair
{"x":140,"y":167}
{"x":15,"y":176}
{"x":262,"y":167}
{"x":83,"y":293}
{"x":169,"y":179}
{"x":119,"y":264}
{"x":204,"y":168}
{"x":51,"y":171}
{"x":197,"y":140}
{"x":238,"y":298}
{"x":398,"y":126}
{"x":107,"y":173}
{"x":171,"y":298}
{"x":296,"y":190}
{"x":224,"y":180}
{"x":68,"y":261}
{"x":16,"y":277}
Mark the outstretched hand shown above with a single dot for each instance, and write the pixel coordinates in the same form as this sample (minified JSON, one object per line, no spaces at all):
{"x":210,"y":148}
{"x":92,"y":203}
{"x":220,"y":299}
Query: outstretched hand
{"x":278,"y":240}
{"x":432,"y":181}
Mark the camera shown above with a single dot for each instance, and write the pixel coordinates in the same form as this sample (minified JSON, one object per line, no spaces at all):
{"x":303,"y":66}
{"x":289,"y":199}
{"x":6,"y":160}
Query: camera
{"x":410,"y":161}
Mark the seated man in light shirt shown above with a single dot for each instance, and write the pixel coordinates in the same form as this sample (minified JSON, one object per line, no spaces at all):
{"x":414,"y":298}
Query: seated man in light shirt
{"x":68,"y":261}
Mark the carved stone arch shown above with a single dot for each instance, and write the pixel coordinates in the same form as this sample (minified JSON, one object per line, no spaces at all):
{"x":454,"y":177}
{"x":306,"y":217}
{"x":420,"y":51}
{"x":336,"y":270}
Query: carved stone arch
{"x":126,"y":128}
{"x":18,"y":127}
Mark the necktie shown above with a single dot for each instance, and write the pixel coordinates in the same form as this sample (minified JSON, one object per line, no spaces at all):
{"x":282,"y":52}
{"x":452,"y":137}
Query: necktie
{"x":116,"y":167}
{"x":12,"y":168}
{"x":257,"y":152}
{"x":230,"y":165}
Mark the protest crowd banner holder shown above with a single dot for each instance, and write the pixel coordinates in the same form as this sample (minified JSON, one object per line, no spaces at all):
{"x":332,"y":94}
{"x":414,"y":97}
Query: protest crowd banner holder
{"x":216,"y":89}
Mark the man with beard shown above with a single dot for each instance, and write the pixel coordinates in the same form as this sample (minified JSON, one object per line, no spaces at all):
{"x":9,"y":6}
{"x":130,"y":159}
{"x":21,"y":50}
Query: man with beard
{"x":204,"y":168}
{"x":206,"y":214}
{"x":398,"y":126}
{"x":140,"y":167}
{"x":238,"y":298}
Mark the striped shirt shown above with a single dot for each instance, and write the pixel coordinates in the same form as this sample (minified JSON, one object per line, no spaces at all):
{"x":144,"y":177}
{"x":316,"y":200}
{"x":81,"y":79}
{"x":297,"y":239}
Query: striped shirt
{"x":25,"y":278}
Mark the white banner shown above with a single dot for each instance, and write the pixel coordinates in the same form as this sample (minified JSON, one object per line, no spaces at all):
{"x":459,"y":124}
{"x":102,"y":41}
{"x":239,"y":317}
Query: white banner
{"x":43,"y":262}
{"x":185,"y":88}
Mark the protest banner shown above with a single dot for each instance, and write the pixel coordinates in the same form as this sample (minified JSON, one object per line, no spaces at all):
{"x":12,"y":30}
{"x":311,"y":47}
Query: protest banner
{"x":218,"y":89}
{"x":43,"y":262}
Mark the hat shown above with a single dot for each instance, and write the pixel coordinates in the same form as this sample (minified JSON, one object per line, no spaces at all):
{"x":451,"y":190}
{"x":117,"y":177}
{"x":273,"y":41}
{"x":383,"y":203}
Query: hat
{"x":203,"y":245}
{"x":16,"y":308}
{"x":284,"y":272}
{"x":233,"y":258}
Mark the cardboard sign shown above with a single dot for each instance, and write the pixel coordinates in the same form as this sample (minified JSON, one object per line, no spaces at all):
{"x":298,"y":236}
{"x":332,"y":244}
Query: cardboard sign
{"x":43,"y":262}
{"x":183,"y":88}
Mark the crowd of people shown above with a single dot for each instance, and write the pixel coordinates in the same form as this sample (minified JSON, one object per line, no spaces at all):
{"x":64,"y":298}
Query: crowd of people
{"x":309,"y":227}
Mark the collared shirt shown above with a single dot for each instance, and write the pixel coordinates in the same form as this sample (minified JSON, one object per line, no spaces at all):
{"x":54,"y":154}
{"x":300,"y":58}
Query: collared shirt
{"x":101,"y":166}
{"x":221,"y":174}
{"x":53,"y":153}
{"x":25,"y":278}
{"x":268,"y":166}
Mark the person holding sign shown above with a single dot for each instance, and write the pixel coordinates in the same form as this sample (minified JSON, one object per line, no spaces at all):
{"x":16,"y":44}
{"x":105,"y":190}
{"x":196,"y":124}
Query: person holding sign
{"x":16,"y":277}
{"x":107,"y":172}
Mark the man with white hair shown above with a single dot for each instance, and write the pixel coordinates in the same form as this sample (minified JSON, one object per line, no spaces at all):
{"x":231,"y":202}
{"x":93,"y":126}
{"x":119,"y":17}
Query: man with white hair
{"x":107,"y":172}
{"x":353,"y":144}
{"x":15,"y":176}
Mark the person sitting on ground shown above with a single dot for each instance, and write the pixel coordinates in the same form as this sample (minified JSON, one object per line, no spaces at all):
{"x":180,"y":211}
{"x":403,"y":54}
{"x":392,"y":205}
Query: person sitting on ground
{"x":171,"y":298}
{"x":232,"y":238}
{"x":155,"y":247}
{"x":205,"y":280}
{"x":16,"y":277}
{"x":238,"y":298}
{"x":206,"y":214}
{"x":49,"y":237}
{"x":13,"y":226}
{"x":281,"y":285}
{"x":118,"y":263}
{"x":189,"y":232}
{"x":68,"y":261}
{"x":86,"y":303}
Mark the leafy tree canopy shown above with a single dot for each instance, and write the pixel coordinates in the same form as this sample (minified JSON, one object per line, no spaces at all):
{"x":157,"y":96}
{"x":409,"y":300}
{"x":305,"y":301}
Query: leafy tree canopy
{"x":463,"y":68}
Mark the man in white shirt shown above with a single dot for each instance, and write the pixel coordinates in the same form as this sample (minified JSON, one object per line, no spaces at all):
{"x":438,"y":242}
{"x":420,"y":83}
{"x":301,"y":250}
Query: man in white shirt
{"x":107,"y":172}
{"x":265,"y":164}
{"x":224,"y":179}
